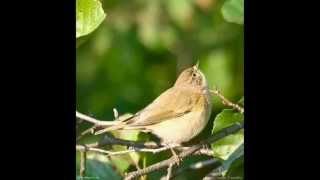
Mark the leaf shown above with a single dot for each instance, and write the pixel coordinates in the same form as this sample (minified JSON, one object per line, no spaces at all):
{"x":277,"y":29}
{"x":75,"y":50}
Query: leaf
{"x":236,"y":169}
{"x":132,"y":136}
{"x":99,"y":167}
{"x":231,"y":163}
{"x":232,"y":158}
{"x":89,"y":15}
{"x":123,"y":162}
{"x":232,"y":11}
{"x":226,"y":118}
{"x":225,"y":147}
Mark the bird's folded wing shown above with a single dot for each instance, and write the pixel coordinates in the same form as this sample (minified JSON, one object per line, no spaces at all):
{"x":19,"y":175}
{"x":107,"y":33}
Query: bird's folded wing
{"x":169,"y":105}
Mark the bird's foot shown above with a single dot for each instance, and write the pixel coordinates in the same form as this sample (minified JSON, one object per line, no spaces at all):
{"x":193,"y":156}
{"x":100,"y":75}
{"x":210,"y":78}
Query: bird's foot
{"x":177,"y":159}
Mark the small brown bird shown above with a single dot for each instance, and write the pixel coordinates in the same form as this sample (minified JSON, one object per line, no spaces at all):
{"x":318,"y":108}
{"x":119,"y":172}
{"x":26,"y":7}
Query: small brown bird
{"x":178,"y":114}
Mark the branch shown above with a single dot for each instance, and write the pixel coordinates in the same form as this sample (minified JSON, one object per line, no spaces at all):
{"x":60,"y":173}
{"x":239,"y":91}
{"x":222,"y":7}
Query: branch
{"x":85,"y":148}
{"x":226,"y":102}
{"x":204,"y":151}
{"x":169,"y":171}
{"x":93,"y":120}
{"x":92,"y":147}
{"x":137,"y":146}
{"x":87,"y":131}
{"x":165,"y":163}
{"x":88,"y":147}
{"x":97,"y":123}
{"x":83,"y":159}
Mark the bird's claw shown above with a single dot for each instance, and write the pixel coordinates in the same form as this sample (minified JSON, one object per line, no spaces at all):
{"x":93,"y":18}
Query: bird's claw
{"x":177,"y":159}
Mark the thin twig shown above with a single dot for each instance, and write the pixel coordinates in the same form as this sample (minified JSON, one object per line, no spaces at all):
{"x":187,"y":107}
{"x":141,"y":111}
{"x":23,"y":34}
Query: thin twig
{"x":82,"y":148}
{"x":226,"y":102}
{"x":93,"y":148}
{"x":83,"y":159}
{"x":204,"y":151}
{"x":169,"y":171}
{"x":85,"y":132}
{"x":93,"y":120}
{"x":165,"y":163}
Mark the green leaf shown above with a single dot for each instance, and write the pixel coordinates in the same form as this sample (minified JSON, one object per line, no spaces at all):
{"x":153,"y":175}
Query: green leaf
{"x":236,"y":169}
{"x":226,"y":118}
{"x":131,"y":136}
{"x":123,"y":162}
{"x":232,"y":158}
{"x":99,"y":167}
{"x":225,"y":147}
{"x":89,"y":15}
{"x":231,"y":164}
{"x":232,"y":11}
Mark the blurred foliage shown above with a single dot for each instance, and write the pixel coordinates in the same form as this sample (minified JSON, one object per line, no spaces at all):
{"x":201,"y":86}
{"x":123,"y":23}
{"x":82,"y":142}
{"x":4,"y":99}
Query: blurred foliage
{"x":126,"y":60}
{"x":232,"y":11}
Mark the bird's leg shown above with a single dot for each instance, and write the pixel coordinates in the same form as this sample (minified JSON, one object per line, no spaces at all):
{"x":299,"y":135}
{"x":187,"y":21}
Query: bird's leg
{"x":176,"y":157}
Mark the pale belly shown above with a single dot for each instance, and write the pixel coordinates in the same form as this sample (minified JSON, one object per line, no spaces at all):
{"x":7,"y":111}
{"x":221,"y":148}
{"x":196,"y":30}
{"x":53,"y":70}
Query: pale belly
{"x":182,"y":129}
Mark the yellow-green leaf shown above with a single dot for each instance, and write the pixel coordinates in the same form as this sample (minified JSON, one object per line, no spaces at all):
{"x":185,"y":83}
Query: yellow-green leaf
{"x":89,"y":15}
{"x":226,"y":146}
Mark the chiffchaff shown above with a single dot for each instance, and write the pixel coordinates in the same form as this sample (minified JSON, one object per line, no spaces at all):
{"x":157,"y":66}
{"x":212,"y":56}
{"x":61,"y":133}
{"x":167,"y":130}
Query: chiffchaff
{"x":178,"y":114}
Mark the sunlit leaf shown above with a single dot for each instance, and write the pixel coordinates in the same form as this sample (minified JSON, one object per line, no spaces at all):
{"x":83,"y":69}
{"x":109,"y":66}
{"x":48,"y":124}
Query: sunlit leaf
{"x":123,"y":162}
{"x":132,"y":136}
{"x":232,"y":158}
{"x":232,"y":11}
{"x":228,"y":167}
{"x":89,"y":15}
{"x":226,"y":146}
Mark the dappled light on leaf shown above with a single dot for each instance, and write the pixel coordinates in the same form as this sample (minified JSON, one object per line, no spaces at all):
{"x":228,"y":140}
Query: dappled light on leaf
{"x":89,"y":15}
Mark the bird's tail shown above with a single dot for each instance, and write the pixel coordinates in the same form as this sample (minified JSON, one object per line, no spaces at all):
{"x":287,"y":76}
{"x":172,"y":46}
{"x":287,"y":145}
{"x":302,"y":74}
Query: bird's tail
{"x":119,"y":124}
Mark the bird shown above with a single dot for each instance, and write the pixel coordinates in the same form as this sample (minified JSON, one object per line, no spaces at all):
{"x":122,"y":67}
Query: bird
{"x":176,"y":116}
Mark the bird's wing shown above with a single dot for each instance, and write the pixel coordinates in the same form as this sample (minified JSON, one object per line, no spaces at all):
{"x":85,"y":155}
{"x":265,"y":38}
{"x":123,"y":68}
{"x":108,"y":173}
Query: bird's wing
{"x":170,"y":104}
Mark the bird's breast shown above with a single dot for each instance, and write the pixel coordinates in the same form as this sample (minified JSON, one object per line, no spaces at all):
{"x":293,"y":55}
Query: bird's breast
{"x":181,"y":129}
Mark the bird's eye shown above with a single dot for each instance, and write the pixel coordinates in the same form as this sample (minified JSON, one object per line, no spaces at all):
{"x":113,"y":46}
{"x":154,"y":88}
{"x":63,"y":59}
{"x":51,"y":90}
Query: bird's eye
{"x":193,"y":74}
